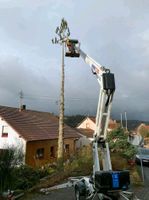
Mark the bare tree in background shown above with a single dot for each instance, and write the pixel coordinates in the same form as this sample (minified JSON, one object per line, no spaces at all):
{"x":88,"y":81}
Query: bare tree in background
{"x":63,"y":33}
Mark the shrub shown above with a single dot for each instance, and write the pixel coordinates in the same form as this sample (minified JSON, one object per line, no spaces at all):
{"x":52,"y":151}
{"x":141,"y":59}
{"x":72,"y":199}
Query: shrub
{"x":9,"y":159}
{"x":25,"y":177}
{"x":118,"y":142}
{"x":77,"y":166}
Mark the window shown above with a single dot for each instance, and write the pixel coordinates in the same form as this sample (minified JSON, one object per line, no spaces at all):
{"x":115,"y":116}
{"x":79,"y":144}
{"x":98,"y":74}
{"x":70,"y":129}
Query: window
{"x":52,"y":152}
{"x":40,"y":153}
{"x":67,"y":148}
{"x":4,"y":131}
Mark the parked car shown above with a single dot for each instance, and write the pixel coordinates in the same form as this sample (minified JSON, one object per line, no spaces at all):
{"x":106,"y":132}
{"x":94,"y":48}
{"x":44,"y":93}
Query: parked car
{"x":142,"y":155}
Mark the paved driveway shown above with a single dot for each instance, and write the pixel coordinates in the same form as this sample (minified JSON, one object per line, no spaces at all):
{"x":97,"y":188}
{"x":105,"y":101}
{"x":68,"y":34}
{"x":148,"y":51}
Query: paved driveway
{"x":145,"y":172}
{"x":68,"y":193}
{"x":61,"y":194}
{"x":143,"y":192}
{"x":146,"y":175}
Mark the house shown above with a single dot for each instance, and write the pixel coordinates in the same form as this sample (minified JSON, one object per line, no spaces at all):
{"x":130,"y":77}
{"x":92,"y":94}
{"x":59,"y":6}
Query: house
{"x":90,"y":123}
{"x":86,"y":137}
{"x":87,"y":128}
{"x":140,"y":136}
{"x":143,"y":130}
{"x":35,"y":133}
{"x":136,"y":139}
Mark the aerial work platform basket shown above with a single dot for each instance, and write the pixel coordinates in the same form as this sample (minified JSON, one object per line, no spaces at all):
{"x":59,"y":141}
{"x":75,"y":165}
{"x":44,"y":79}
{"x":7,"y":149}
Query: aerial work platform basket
{"x":70,"y":48}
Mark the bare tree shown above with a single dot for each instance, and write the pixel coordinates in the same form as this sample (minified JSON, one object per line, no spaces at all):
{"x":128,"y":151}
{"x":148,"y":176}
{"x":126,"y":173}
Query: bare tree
{"x":63,"y":33}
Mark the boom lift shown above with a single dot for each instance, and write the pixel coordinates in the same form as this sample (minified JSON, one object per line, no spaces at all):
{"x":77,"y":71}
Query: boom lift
{"x":104,"y":183}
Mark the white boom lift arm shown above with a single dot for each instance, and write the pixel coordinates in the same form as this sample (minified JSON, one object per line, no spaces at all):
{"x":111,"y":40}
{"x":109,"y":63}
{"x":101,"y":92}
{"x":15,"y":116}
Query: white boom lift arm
{"x":107,"y":88}
{"x":102,"y":115}
{"x":104,"y":183}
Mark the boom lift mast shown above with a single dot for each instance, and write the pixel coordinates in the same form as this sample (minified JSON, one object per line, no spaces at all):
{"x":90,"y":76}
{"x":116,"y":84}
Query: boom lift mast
{"x":104,"y":182}
{"x":107,"y":87}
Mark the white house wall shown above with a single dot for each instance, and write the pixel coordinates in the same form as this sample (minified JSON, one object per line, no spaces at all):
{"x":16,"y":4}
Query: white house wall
{"x":137,"y":140}
{"x":87,"y":123}
{"x":83,"y":141}
{"x":13,"y":139}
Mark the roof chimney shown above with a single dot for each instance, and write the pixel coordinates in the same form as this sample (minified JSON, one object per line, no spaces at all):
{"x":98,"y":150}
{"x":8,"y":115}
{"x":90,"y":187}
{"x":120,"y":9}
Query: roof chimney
{"x":22,"y":107}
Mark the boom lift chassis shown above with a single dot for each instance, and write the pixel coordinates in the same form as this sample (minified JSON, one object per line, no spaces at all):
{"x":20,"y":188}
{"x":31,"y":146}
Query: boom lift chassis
{"x":104,"y":184}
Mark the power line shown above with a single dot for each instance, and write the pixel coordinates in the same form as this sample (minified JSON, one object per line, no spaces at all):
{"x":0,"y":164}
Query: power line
{"x":56,"y":98}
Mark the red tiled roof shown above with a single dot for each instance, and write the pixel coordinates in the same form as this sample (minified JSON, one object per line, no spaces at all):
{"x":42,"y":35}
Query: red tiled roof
{"x":142,"y":125}
{"x":113,"y":126}
{"x":93,"y":119}
{"x":147,"y":127}
{"x":87,"y":132}
{"x":35,"y":125}
{"x":111,"y":122}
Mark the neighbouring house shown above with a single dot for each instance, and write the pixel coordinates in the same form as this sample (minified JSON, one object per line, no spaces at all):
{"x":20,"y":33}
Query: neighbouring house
{"x":136,"y":139}
{"x":35,"y":133}
{"x":87,"y":127}
{"x":143,"y":130}
{"x":140,"y":136}
{"x":86,"y":137}
{"x":90,"y":123}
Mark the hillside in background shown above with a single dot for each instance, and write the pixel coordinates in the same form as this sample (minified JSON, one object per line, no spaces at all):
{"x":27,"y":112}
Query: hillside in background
{"x":74,"y":120}
{"x":133,"y":124}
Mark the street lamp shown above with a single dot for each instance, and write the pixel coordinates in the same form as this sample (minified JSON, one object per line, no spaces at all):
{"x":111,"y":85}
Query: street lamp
{"x":63,"y":33}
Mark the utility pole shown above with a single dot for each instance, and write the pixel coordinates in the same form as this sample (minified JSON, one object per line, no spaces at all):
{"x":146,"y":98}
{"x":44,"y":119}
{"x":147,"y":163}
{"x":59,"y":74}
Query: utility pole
{"x":126,"y":121}
{"x":63,"y":33}
{"x":121,"y":120}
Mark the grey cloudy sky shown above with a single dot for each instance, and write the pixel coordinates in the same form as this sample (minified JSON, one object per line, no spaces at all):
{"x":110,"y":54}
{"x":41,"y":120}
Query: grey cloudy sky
{"x":115,"y":33}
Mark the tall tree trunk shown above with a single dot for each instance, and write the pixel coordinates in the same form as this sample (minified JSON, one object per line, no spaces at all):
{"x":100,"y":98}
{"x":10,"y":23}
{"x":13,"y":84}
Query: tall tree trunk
{"x":60,"y":154}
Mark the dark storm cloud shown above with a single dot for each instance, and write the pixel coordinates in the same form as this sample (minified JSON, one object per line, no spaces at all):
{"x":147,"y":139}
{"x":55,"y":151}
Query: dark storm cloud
{"x":115,"y":33}
{"x":36,"y":86}
{"x":120,"y":40}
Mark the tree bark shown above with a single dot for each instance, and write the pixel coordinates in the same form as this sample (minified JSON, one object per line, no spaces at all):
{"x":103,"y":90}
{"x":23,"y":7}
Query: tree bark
{"x":60,"y":154}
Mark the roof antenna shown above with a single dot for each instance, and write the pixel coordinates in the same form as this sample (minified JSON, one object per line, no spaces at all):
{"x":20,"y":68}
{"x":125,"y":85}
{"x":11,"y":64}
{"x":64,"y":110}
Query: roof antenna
{"x":126,"y":122}
{"x":121,"y":120}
